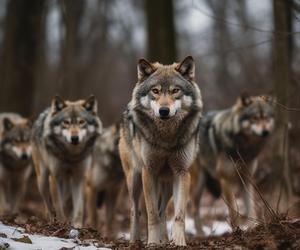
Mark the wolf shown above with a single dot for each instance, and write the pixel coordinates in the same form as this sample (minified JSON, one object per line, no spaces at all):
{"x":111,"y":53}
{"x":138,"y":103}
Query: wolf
{"x":63,"y":139}
{"x":105,"y":177}
{"x":15,"y":160}
{"x":230,"y":143}
{"x":159,"y":142}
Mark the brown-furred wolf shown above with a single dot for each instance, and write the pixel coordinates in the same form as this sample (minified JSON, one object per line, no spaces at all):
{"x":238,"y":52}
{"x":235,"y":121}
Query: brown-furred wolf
{"x":230,"y":142}
{"x":15,"y":160}
{"x":62,"y":143}
{"x":159,"y":142}
{"x":105,"y":178}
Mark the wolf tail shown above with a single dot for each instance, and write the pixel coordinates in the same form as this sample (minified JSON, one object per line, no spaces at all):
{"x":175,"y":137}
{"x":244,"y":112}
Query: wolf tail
{"x":213,"y":185}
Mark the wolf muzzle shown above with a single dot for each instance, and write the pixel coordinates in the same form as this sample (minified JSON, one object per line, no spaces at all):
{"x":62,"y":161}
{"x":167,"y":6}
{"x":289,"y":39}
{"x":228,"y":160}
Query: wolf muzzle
{"x":164,"y":112}
{"x":75,"y":139}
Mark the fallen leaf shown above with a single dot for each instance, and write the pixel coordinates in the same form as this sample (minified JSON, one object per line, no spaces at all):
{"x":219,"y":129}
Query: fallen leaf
{"x":3,"y":235}
{"x":24,"y":239}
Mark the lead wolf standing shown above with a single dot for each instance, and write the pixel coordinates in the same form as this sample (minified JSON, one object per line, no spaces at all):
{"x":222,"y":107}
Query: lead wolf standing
{"x":63,"y":139}
{"x":158,"y":144}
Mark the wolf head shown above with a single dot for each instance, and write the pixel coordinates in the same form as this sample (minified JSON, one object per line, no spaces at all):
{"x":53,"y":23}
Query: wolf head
{"x":166,"y":91}
{"x":16,"y":140}
{"x":256,"y":116}
{"x":73,"y":124}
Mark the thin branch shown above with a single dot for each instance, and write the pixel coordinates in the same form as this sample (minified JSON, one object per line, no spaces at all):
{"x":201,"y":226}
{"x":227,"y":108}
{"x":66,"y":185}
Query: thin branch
{"x":248,"y":176}
{"x":270,"y":99}
{"x":225,"y":21}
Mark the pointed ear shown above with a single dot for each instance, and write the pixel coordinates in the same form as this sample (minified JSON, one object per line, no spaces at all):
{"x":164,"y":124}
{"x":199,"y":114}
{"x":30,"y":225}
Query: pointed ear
{"x":145,"y":69}
{"x":57,"y":104}
{"x":91,"y":104}
{"x":269,"y":98}
{"x":7,"y":124}
{"x":245,"y":99}
{"x":187,"y":68}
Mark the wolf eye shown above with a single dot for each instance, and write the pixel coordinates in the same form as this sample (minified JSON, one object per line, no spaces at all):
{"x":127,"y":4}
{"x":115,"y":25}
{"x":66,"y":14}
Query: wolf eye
{"x":66,"y":122}
{"x":81,"y":122}
{"x":175,"y":91}
{"x":155,"y":91}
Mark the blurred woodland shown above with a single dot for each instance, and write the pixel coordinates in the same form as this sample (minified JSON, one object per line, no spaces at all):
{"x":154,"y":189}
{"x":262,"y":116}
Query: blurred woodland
{"x":75,"y":48}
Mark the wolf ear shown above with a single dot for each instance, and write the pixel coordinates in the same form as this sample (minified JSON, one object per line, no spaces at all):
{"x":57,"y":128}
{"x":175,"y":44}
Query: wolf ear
{"x":269,"y":98}
{"x":245,"y":99}
{"x":7,"y":123}
{"x":91,"y":105}
{"x":187,"y":68}
{"x":57,"y":104}
{"x":145,"y":69}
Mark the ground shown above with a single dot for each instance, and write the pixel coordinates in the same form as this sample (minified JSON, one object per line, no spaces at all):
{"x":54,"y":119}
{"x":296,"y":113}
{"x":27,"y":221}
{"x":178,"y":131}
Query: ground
{"x":282,"y":233}
{"x":29,"y":230}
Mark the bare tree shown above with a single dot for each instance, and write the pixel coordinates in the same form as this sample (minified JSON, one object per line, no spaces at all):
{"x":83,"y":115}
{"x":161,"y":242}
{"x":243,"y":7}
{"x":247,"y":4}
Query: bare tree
{"x":221,"y":41}
{"x":70,"y":76}
{"x":22,"y":39}
{"x":282,"y":82}
{"x":161,"y":31}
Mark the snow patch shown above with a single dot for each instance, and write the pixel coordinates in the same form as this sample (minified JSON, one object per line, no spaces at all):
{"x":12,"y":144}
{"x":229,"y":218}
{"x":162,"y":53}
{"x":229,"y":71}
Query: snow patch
{"x":217,"y":228}
{"x":38,"y":241}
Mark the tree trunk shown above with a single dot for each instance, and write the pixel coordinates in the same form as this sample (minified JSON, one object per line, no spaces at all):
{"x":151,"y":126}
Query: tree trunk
{"x":23,"y":27}
{"x":161,"y":31}
{"x":70,"y":75}
{"x":221,"y":42}
{"x":282,"y":81}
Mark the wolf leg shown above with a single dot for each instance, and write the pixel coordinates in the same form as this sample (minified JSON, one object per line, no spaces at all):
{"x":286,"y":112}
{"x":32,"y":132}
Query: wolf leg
{"x":43,"y":184}
{"x":42,"y":174}
{"x":3,"y":199}
{"x":77,"y":189}
{"x":180,"y":192}
{"x":248,"y":198}
{"x":91,"y":199}
{"x":134,"y":184}
{"x":228,"y":194}
{"x":16,"y":196}
{"x":19,"y":190}
{"x":248,"y":195}
{"x":165,"y":193}
{"x":197,"y":193}
{"x":110,"y":205}
{"x":231,"y":202}
{"x":150,"y":185}
{"x":56,"y":190}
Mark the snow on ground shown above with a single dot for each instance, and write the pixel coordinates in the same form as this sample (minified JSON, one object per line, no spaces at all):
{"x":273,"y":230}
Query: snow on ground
{"x":217,"y":228}
{"x":38,"y":241}
{"x":11,"y":235}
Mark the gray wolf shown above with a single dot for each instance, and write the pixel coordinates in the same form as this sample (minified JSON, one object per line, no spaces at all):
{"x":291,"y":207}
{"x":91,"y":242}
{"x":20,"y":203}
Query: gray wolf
{"x":63,"y":139}
{"x":105,"y":178}
{"x":158,"y":144}
{"x":230,"y":143}
{"x":15,"y":160}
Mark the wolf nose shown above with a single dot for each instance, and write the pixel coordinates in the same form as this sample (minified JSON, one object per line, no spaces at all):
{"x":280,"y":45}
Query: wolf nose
{"x":74,"y":139}
{"x":265,"y":133}
{"x":164,"y":112}
{"x":24,"y":157}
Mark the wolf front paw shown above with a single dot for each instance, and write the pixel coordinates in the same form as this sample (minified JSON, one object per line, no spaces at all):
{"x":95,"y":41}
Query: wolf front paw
{"x":154,"y":235}
{"x":178,"y":236}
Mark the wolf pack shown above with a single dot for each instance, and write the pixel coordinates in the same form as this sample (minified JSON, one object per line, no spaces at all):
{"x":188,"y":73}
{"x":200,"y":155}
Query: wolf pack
{"x":164,"y":149}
